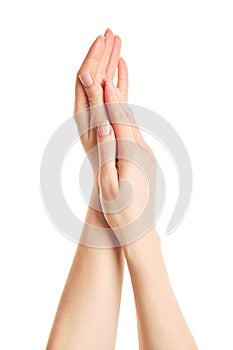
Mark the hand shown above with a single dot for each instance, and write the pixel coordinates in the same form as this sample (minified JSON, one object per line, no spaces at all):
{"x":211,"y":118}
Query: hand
{"x":127,"y":187}
{"x":101,"y":61}
{"x":100,"y":64}
{"x":126,"y":182}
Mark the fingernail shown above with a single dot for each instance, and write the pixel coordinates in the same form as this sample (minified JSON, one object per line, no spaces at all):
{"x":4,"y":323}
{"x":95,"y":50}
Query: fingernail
{"x":86,"y":79}
{"x":104,"y":128}
{"x":107,"y":32}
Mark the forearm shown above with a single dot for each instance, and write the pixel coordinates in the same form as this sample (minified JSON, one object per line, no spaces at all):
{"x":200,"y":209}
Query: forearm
{"x":88,"y":311}
{"x":161,"y":324}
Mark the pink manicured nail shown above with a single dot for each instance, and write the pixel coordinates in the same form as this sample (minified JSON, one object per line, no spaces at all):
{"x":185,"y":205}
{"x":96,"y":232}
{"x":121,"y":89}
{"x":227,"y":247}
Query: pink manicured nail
{"x":86,"y":79}
{"x":104,"y":128}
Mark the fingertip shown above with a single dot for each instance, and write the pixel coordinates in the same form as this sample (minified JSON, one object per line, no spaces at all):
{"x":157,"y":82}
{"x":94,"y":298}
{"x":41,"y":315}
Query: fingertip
{"x":123,"y":66}
{"x":108,"y":32}
{"x":117,"y":41}
{"x":96,"y":49}
{"x":100,"y":37}
{"x":123,"y":78}
{"x":100,"y":41}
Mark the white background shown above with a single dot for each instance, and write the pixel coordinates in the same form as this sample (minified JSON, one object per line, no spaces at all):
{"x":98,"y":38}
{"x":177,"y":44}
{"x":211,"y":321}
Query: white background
{"x":180,"y":58}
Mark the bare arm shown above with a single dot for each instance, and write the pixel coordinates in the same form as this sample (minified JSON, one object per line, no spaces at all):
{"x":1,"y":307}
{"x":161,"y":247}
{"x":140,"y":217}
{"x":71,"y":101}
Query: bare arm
{"x":87,"y":315}
{"x":88,"y":311}
{"x":161,"y":324}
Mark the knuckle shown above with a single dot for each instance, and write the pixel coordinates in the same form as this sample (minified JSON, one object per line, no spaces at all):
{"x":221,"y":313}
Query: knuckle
{"x":95,"y":97}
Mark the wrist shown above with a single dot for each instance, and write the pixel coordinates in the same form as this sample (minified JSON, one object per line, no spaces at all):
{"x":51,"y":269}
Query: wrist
{"x":139,"y":249}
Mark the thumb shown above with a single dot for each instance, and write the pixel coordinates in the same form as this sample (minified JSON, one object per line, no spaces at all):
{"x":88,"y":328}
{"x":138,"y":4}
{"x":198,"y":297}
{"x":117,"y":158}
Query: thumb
{"x":92,"y":89}
{"x":94,"y":92}
{"x":107,"y":174}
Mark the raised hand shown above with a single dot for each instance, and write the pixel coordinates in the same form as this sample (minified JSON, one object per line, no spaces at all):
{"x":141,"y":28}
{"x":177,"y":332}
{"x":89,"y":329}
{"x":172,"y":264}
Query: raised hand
{"x":100,"y":64}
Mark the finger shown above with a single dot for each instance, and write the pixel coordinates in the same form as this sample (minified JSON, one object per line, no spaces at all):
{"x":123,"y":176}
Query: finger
{"x":107,"y":175}
{"x":93,"y":90}
{"x":114,"y":59}
{"x":94,"y":55}
{"x":94,"y":93}
{"x":90,"y":64}
{"x":123,"y":87}
{"x":122,"y":83}
{"x":117,"y":112}
{"x":103,"y":64}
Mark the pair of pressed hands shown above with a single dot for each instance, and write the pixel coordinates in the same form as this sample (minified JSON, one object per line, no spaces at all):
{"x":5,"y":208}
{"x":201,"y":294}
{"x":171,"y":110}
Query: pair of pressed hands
{"x":87,"y":314}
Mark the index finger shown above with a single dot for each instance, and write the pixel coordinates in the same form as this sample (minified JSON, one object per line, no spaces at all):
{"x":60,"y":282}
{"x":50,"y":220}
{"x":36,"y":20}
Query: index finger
{"x":90,"y":64}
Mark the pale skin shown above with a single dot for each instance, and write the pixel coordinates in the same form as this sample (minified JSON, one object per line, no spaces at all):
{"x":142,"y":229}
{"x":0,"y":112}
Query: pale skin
{"x":88,"y":311}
